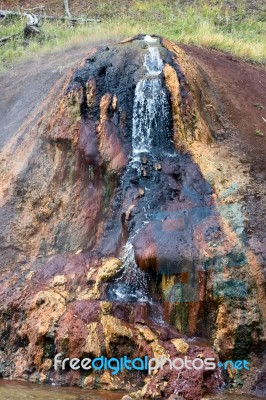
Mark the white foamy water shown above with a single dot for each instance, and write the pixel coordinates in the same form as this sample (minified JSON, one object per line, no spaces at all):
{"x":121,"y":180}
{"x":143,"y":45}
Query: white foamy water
{"x":150,"y":39}
{"x":153,"y":61}
{"x":133,"y":276}
{"x":150,"y":99}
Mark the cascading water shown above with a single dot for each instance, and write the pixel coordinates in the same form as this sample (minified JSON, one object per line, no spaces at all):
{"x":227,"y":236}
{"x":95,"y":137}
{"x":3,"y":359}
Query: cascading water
{"x":132,"y":285}
{"x":151,"y":127}
{"x":151,"y":107}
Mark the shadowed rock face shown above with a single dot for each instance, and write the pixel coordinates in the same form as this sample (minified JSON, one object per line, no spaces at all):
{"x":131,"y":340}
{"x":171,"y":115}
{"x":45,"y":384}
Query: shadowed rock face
{"x":113,"y":242}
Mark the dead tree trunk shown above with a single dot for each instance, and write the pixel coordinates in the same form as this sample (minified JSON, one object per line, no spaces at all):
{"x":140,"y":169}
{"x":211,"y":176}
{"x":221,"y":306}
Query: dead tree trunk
{"x":31,"y":29}
{"x":66,"y":7}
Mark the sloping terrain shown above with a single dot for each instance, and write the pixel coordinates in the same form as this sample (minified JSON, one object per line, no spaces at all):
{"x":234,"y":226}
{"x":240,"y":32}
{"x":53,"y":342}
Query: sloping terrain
{"x":240,"y":86}
{"x":241,"y":89}
{"x":73,"y":178}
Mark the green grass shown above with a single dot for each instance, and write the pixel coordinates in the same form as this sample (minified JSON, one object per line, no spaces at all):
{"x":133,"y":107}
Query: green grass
{"x":259,"y":132}
{"x":235,"y":29}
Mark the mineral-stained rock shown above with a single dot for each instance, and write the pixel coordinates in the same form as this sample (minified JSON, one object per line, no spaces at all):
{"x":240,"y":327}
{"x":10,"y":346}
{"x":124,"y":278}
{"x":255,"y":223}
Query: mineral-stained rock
{"x":73,"y":195}
{"x":180,"y":345}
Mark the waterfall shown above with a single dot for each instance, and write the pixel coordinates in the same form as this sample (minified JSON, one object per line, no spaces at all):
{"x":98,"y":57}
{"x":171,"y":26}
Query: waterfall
{"x":151,"y":107}
{"x":150,"y":128}
{"x":132,"y":285}
{"x":153,"y":61}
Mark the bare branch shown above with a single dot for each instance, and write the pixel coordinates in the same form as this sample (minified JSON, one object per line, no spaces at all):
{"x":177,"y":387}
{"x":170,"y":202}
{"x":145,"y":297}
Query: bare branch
{"x":34,"y":8}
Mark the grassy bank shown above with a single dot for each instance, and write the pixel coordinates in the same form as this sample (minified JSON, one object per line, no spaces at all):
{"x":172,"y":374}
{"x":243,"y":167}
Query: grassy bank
{"x":232,"y":27}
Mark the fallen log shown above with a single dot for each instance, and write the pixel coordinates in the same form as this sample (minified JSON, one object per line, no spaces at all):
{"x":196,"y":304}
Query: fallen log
{"x":31,"y":28}
{"x":7,"y":38}
{"x":6,"y":13}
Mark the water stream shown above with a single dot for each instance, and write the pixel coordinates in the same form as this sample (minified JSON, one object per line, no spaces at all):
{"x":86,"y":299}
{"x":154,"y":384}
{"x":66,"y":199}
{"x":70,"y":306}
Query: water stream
{"x":12,"y":390}
{"x":151,"y":107}
{"x":151,"y":137}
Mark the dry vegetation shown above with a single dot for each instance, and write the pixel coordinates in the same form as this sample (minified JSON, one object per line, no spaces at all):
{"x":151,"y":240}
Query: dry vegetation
{"x":237,"y":26}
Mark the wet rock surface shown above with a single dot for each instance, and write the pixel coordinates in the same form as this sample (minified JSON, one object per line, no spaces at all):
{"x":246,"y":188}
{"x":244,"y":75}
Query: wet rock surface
{"x":114,"y":245}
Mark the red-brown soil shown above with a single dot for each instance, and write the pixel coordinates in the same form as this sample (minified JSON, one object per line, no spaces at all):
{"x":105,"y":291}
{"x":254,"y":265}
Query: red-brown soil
{"x":241,"y":86}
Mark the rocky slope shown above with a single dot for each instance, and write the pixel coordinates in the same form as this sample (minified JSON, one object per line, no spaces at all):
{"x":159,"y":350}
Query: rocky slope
{"x":105,"y":255}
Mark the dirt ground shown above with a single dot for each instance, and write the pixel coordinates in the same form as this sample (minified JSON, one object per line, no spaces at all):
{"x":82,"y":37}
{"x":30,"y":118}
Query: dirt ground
{"x":241,"y":88}
{"x":28,"y":84}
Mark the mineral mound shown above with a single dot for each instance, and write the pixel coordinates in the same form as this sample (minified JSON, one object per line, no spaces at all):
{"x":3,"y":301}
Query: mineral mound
{"x":115,"y":240}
